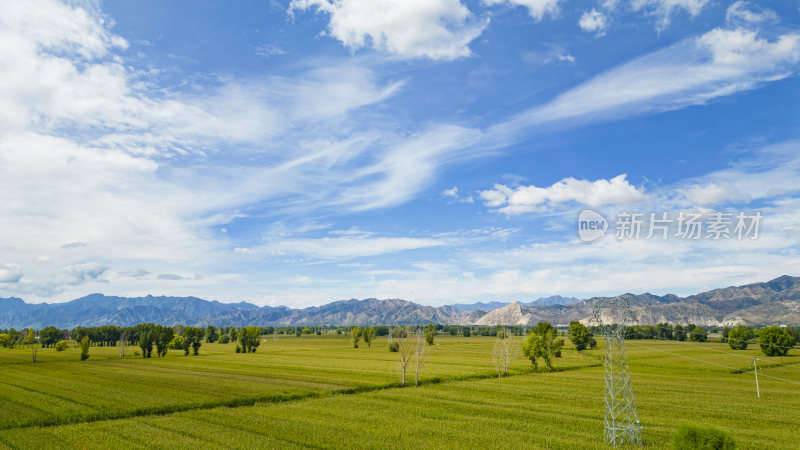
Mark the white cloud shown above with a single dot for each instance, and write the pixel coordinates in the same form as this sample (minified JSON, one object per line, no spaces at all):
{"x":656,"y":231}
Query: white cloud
{"x":347,"y":247}
{"x":719,"y":63}
{"x":566,"y":58}
{"x":435,"y":29}
{"x":742,"y":12}
{"x":744,"y":181}
{"x":524,"y":199}
{"x":10,"y":273}
{"x":452,"y":192}
{"x":267,"y":50}
{"x":536,"y":8}
{"x":594,"y":21}
{"x":664,"y":10}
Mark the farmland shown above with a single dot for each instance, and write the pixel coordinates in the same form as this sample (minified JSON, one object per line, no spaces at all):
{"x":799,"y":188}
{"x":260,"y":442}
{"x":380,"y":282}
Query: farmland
{"x":317,"y":391}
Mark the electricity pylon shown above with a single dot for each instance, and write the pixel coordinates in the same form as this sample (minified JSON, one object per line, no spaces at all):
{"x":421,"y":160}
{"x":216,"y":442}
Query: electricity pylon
{"x":621,"y":420}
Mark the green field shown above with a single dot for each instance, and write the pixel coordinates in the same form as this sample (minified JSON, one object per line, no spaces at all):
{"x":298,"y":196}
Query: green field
{"x":316,"y":391}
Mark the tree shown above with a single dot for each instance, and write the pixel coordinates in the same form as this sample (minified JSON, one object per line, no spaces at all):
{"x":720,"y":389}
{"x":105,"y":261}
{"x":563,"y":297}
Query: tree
{"x":211,"y":334}
{"x":191,"y":338}
{"x":61,"y":345}
{"x":146,"y":344}
{"x":503,"y":352}
{"x":726,"y":331}
{"x":419,"y":352}
{"x":85,"y":348}
{"x":177,"y":342}
{"x":430,"y":333}
{"x":48,"y":336}
{"x":162,"y":336}
{"x":680,"y":335}
{"x":223,"y":339}
{"x":369,"y":335}
{"x":739,"y":337}
{"x":467,"y":331}
{"x":405,"y":348}
{"x":5,"y":340}
{"x":542,"y":342}
{"x":355,"y":335}
{"x":580,"y":336}
{"x":32,"y":342}
{"x":698,"y":335}
{"x":234,"y":333}
{"x":775,"y":341}
{"x":249,"y":339}
{"x":123,"y":342}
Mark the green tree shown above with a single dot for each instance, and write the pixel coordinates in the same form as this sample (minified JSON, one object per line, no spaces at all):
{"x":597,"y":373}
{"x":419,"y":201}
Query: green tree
{"x":146,"y":344}
{"x":5,"y":340}
{"x":234,"y":333}
{"x":775,"y":341}
{"x":680,"y":334}
{"x":467,"y":331}
{"x":48,"y":336}
{"x":162,"y":336}
{"x":85,"y":348}
{"x":739,"y":337}
{"x":176,"y":343}
{"x":211,"y":334}
{"x":355,"y":335}
{"x":61,"y":346}
{"x":249,"y":339}
{"x":580,"y":336}
{"x":369,"y":335}
{"x":33,"y":342}
{"x":430,"y":333}
{"x":223,"y":339}
{"x":542,"y":342}
{"x":192,"y":337}
{"x":698,"y":335}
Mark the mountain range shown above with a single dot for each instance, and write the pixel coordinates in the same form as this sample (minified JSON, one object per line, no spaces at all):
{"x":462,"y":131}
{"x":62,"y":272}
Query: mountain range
{"x":773,"y":302}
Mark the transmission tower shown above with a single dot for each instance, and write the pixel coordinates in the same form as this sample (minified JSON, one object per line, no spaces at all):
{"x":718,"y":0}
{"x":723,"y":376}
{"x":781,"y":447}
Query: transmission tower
{"x":621,"y":420}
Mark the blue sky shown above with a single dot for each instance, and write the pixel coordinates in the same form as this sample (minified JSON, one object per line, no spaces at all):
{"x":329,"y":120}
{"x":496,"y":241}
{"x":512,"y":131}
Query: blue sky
{"x":439,"y":151}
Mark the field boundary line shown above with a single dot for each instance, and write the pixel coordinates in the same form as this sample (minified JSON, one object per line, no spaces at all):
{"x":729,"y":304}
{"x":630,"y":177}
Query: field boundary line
{"x":275,"y":399}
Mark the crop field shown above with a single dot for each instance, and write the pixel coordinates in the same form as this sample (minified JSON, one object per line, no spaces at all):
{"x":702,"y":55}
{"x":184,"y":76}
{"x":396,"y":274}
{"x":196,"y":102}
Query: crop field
{"x":317,"y":392}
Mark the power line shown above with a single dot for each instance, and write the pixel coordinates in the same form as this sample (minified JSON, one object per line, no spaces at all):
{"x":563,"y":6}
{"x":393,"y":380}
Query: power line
{"x":711,"y":363}
{"x":791,"y":366}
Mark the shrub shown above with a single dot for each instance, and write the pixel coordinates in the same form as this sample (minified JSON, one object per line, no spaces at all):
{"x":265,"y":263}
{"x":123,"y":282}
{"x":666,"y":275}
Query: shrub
{"x":690,"y":437}
{"x":61,"y":346}
{"x":394,"y":346}
{"x":238,"y":349}
{"x":224,"y":339}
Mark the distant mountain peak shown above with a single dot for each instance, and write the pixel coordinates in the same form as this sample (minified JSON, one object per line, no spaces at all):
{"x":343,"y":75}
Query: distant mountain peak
{"x":773,"y":302}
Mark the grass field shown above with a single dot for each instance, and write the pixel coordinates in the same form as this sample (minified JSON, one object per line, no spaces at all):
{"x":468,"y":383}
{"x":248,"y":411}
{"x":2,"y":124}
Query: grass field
{"x":315,"y":391}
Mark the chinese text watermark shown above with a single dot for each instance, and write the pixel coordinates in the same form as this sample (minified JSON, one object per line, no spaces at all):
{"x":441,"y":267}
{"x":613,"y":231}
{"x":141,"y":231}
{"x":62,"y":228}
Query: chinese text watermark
{"x":663,"y":225}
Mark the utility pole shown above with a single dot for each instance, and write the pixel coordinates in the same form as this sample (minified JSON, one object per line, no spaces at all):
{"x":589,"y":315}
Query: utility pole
{"x":755,"y":371}
{"x":621,"y":421}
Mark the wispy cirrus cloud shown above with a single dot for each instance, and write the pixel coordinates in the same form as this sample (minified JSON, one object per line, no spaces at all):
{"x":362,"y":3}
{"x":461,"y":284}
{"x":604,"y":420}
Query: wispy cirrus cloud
{"x":695,"y":71}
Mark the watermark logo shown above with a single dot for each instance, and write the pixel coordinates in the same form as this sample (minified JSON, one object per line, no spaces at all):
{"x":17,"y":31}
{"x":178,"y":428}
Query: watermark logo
{"x":591,"y":225}
{"x":663,"y":225}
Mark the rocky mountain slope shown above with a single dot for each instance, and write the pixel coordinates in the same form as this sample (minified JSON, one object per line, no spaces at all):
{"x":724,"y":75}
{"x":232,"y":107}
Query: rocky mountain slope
{"x":773,"y":302}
